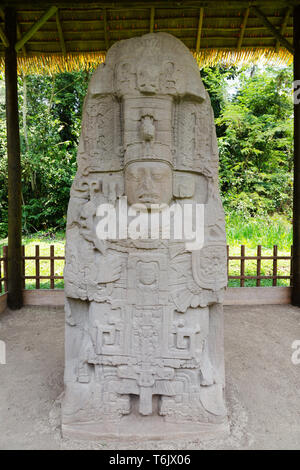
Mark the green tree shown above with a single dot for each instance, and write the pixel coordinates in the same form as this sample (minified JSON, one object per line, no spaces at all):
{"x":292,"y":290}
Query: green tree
{"x":50,"y":119}
{"x":255,"y":130}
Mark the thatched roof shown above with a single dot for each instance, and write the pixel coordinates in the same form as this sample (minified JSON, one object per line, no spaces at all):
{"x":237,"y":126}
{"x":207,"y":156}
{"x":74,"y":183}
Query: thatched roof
{"x":77,"y":34}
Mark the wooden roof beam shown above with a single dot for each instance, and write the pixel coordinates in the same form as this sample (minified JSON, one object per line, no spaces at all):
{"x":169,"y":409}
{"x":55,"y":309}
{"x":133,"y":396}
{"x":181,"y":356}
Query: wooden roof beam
{"x":60,"y":34}
{"x":243,"y":28}
{"x":128,"y":4}
{"x":35,"y":27}
{"x":273,"y":30}
{"x":283,"y":26}
{"x":152,"y":16}
{"x":200,"y":23}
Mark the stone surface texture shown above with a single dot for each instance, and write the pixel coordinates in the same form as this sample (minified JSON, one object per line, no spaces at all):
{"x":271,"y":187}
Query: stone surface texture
{"x":144,"y":317}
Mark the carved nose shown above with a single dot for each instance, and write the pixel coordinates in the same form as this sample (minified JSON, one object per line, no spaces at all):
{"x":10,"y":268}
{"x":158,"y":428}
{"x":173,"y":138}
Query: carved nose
{"x":147,"y":182}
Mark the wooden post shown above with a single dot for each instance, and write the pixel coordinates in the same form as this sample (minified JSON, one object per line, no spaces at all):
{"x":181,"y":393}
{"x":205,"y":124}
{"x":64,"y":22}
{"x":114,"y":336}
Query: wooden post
{"x":243,"y":28}
{"x":242,"y":281}
{"x":296,"y":206}
{"x":23,"y":268}
{"x":152,"y":15}
{"x":283,"y":26}
{"x":60,"y":34}
{"x":227,"y":249}
{"x":258,"y":266}
{"x":0,"y":272}
{"x":105,"y":30}
{"x":200,"y":23}
{"x":291,"y":267}
{"x":14,"y":299}
{"x":37,"y":266}
{"x":275,"y":254}
{"x":5,"y":268}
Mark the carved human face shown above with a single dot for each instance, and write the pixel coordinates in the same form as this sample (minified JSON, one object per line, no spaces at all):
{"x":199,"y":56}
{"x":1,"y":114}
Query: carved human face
{"x":148,"y":183}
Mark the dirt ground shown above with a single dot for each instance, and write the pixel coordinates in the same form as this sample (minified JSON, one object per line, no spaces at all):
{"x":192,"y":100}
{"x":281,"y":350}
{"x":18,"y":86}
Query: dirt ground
{"x":263,"y":385}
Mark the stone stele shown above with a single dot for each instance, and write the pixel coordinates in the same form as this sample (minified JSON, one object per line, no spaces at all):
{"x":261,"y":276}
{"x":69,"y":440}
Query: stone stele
{"x":144,"y":317}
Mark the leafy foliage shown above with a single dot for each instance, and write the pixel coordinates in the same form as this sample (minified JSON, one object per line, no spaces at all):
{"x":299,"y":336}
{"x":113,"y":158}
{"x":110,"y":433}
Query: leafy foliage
{"x":255,"y":136}
{"x":50,"y":117}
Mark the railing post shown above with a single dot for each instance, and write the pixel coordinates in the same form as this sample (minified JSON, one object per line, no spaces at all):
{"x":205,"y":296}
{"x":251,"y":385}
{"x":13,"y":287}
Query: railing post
{"x":227,"y":251}
{"x":5,"y":256}
{"x":23,"y":268}
{"x":242,"y":281}
{"x":258,"y":265}
{"x":52,"y":270}
{"x":275,"y":254}
{"x":37,"y":266}
{"x":0,"y":270}
{"x":291,"y":267}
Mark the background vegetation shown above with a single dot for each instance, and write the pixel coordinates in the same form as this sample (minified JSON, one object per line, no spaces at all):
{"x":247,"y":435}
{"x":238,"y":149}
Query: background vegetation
{"x":253,"y":113}
{"x":50,"y":116}
{"x":254,"y":118}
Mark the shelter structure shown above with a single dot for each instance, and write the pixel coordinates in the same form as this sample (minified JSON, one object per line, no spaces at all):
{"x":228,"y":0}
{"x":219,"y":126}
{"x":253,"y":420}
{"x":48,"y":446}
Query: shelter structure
{"x":53,"y":36}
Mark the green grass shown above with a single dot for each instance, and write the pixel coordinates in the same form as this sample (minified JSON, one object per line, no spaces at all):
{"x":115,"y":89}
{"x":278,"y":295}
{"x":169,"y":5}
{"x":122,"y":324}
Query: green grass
{"x":275,"y":230}
{"x":253,"y":231}
{"x":44,"y":240}
{"x":283,"y":267}
{"x":267,"y":232}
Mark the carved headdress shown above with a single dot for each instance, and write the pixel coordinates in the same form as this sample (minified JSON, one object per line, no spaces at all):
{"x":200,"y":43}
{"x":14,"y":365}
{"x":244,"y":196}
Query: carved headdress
{"x":147,"y":103}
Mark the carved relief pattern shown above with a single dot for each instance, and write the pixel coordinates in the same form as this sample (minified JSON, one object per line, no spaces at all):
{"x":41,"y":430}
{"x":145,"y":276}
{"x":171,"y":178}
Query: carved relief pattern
{"x":139,"y":312}
{"x":101,"y":132}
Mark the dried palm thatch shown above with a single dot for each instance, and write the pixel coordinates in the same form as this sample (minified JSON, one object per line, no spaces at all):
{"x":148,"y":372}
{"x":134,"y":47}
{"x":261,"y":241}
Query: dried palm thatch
{"x":76,"y":36}
{"x":244,"y":56}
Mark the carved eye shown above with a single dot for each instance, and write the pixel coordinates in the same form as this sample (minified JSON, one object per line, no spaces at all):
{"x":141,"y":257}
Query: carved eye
{"x":133,"y":176}
{"x":157,"y":176}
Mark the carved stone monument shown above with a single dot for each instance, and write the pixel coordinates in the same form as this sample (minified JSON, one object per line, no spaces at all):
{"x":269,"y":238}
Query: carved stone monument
{"x":144,"y":316}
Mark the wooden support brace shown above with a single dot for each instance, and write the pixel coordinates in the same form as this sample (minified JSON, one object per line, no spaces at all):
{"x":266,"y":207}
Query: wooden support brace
{"x":152,"y":15}
{"x":200,"y":22}
{"x":273,"y":30}
{"x":243,"y":28}
{"x":19,"y":34}
{"x":283,"y":26}
{"x":35,"y":27}
{"x":60,"y":34}
{"x":3,"y":37}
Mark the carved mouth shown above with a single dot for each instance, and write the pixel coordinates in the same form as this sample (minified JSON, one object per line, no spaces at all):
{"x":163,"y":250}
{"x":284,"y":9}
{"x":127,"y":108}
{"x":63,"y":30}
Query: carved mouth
{"x":148,"y":197}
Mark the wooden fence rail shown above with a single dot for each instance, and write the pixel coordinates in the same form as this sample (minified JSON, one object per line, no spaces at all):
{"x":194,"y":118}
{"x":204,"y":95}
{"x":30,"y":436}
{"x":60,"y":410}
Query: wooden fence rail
{"x":241,"y":277}
{"x":259,"y":257}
